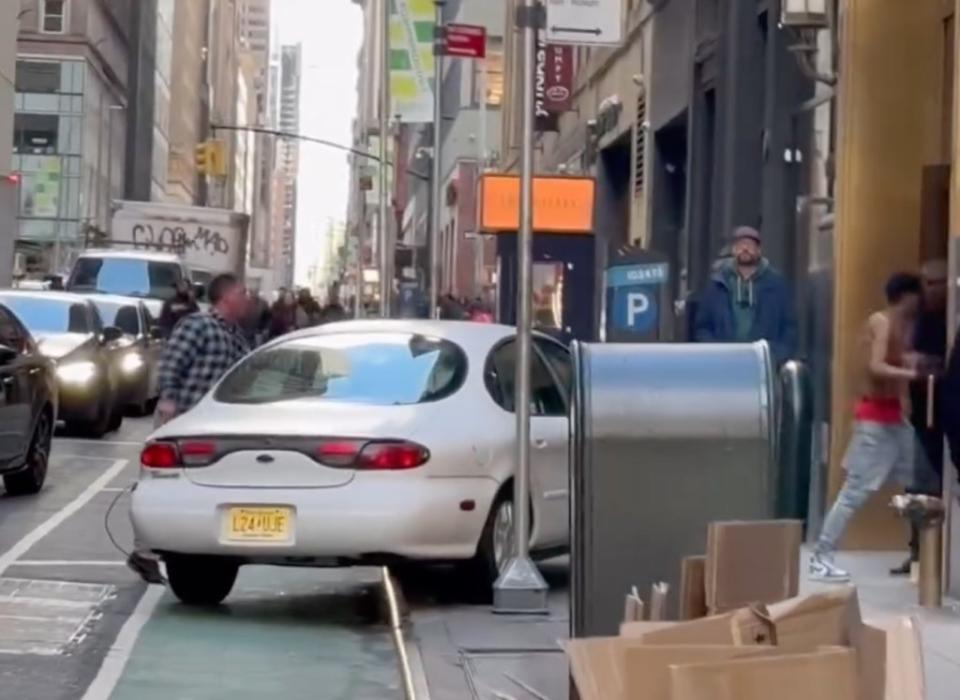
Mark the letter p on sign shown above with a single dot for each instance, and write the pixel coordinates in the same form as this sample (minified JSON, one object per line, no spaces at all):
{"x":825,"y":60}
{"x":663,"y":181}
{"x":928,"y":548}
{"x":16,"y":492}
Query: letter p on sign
{"x":638,"y":304}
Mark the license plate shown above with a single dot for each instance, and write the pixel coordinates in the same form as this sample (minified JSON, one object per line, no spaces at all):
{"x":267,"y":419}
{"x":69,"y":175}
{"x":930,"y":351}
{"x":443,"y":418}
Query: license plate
{"x":259,"y":524}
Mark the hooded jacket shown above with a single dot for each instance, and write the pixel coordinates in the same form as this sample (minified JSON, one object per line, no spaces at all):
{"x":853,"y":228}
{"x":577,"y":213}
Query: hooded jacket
{"x":733,"y":309}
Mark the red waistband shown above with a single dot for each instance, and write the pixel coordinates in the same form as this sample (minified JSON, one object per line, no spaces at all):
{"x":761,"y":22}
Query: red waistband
{"x":878,"y":410}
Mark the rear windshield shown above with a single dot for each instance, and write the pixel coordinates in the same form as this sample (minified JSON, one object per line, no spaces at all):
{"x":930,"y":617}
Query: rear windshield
{"x":49,"y":315}
{"x":126,"y":317}
{"x":380,"y":369}
{"x":129,"y":277}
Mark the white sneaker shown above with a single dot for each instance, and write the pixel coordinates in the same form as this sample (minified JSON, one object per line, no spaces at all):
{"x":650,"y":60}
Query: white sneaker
{"x":823,"y":570}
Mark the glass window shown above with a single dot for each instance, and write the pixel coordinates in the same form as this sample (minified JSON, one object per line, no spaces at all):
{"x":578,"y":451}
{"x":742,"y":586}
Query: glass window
{"x":53,"y":19}
{"x":546,"y":399}
{"x":12,"y":333}
{"x":36,"y":133}
{"x":129,"y":277}
{"x":49,"y":315}
{"x":548,"y":295}
{"x":558,"y":357}
{"x":493,"y":64}
{"x":126,"y":317}
{"x":38,"y":76}
{"x":379,"y":369}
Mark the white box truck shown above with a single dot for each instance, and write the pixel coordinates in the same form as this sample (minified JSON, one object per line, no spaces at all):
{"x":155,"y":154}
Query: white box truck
{"x":151,"y":246}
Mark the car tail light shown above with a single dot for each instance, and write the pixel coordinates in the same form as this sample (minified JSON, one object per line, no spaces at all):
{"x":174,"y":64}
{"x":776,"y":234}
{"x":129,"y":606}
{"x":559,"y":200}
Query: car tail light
{"x":392,"y":456}
{"x":338,"y":453}
{"x":198,"y":453}
{"x":160,"y":455}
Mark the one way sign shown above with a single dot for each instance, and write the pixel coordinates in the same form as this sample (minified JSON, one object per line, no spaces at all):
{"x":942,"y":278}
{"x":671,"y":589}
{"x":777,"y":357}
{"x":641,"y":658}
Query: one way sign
{"x":593,"y":22}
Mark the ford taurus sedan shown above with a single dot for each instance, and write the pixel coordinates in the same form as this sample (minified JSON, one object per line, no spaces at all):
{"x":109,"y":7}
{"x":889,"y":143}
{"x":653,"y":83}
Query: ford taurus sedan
{"x":69,"y":330}
{"x":354,"y":443}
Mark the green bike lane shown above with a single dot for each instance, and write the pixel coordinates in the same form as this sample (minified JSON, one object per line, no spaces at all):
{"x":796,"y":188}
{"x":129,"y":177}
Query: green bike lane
{"x":290,"y":633}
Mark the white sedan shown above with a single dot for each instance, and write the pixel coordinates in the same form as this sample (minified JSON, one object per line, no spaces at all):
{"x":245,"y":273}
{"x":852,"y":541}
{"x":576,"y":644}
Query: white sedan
{"x":365,"y":442}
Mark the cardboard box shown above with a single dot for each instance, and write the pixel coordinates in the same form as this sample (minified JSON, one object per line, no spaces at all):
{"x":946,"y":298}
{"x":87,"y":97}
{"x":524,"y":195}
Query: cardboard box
{"x":823,"y":675}
{"x":891,"y":660}
{"x":616,"y":668}
{"x":745,"y":627}
{"x":752,"y":562}
{"x":693,"y":588}
{"x":831,"y":618}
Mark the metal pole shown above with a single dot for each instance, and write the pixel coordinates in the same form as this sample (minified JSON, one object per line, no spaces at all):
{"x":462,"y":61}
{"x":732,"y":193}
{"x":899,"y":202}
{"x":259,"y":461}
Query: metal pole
{"x":483,"y":113}
{"x":386,"y":250}
{"x":361,"y":238}
{"x":521,"y":588}
{"x":437,"y":165}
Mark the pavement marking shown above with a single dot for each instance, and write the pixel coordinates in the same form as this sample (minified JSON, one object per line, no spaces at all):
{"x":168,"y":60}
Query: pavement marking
{"x":67,"y":562}
{"x":8,"y":558}
{"x":121,"y":650}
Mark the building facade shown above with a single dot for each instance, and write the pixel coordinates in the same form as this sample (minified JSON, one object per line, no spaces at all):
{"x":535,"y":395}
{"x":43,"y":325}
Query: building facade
{"x":70,"y":125}
{"x":288,"y":162}
{"x":9,"y":181}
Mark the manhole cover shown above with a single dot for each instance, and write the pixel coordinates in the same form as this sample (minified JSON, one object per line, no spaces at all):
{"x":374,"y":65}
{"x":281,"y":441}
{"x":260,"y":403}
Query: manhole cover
{"x":47,"y":617}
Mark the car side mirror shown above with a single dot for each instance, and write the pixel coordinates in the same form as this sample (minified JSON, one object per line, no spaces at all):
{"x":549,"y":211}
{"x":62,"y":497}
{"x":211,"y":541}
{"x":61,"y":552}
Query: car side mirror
{"x":199,"y":291}
{"x":156,"y":333}
{"x":7,"y":354}
{"x":111,"y":334}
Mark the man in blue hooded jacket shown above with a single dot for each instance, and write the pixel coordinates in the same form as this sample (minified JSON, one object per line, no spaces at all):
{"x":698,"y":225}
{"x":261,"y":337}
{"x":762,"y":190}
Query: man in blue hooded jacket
{"x":747,"y":300}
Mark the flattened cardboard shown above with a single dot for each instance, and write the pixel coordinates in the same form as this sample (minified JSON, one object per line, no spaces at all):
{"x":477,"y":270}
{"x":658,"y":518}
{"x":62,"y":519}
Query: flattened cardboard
{"x":693,"y":588}
{"x":891,"y":660}
{"x":824,"y":675}
{"x":751,"y":562}
{"x":831,"y":618}
{"x":647,"y":668}
{"x":741,"y":627}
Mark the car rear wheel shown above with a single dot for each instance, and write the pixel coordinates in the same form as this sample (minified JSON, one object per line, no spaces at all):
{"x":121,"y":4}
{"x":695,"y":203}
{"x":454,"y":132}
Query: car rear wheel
{"x":31,"y":479}
{"x":201,"y":581}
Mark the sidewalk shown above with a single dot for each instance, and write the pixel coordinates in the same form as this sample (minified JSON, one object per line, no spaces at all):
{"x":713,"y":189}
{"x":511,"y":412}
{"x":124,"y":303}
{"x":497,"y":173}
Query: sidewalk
{"x":467,"y":652}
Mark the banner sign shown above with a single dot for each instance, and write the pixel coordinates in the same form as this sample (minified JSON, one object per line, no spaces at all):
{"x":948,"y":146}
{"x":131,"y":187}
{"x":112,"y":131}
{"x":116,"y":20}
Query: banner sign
{"x":464,"y":41}
{"x":553,"y":84}
{"x":411,"y":60}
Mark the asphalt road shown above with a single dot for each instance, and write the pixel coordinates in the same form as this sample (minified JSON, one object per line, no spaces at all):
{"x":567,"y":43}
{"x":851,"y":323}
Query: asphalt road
{"x":76,"y":624}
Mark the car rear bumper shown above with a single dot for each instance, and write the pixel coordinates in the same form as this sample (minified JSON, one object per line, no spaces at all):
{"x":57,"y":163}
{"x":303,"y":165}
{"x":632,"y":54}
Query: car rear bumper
{"x":383,"y":515}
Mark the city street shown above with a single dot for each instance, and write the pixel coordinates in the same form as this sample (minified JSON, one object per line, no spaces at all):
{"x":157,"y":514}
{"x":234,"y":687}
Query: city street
{"x":76,"y":623}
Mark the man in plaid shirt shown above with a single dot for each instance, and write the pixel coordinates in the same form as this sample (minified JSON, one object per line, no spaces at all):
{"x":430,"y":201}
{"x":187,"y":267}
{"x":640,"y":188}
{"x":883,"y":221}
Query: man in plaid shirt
{"x":202,"y":348}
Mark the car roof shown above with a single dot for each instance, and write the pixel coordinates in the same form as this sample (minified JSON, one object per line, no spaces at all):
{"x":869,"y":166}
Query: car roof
{"x":151,"y":255}
{"x":112,"y":299}
{"x":469,"y":335}
{"x":66,"y":297}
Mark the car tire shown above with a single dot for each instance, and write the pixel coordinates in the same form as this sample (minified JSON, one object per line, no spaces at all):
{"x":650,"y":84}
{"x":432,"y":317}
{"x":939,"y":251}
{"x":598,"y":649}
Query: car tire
{"x":201,"y":581}
{"x":30,"y":481}
{"x":493,"y":551}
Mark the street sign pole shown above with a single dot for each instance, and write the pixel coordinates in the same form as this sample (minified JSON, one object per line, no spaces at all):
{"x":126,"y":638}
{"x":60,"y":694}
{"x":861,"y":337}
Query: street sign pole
{"x":520,"y":588}
{"x":437,"y":172}
{"x":386,"y":250}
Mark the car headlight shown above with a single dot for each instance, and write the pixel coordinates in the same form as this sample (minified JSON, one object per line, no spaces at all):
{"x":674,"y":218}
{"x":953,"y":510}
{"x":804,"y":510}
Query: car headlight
{"x":131,"y":362}
{"x":79,"y":373}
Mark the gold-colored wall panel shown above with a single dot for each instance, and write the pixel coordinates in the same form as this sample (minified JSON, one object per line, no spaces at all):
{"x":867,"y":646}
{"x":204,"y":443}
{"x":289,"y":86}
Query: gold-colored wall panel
{"x":889,"y":127}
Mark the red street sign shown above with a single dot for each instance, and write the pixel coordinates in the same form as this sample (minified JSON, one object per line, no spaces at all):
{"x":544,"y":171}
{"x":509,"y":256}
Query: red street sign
{"x":465,"y":41}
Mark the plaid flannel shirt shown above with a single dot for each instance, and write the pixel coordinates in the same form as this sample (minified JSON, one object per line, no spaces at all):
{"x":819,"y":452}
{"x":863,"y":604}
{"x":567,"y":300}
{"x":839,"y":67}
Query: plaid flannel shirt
{"x":200,"y":351}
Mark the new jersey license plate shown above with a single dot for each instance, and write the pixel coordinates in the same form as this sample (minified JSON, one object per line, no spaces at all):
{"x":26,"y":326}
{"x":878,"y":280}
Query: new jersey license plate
{"x":249,"y":524}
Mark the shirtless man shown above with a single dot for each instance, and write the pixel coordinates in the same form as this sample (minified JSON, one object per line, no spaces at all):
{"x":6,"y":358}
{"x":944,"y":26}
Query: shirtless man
{"x":883,"y":440}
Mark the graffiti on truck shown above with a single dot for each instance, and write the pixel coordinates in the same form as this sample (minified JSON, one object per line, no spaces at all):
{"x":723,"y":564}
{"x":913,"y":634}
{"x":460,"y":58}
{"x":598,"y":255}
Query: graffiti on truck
{"x":180,"y":239}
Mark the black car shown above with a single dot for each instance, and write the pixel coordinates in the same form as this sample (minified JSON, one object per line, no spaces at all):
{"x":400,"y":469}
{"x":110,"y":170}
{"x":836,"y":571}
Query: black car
{"x":143,"y":341}
{"x":69,"y":330}
{"x":28,"y":408}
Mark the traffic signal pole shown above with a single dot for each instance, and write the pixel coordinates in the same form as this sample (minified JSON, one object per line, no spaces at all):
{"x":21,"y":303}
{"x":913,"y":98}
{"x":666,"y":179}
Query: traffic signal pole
{"x":386,"y":249}
{"x":435,"y":185}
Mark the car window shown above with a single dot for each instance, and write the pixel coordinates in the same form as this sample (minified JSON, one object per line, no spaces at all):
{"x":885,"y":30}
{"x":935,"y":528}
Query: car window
{"x":126,"y":317}
{"x":130,"y":277}
{"x":12,"y":334}
{"x":558,"y":357}
{"x":41,"y":315}
{"x":380,"y":369}
{"x":546,"y":398}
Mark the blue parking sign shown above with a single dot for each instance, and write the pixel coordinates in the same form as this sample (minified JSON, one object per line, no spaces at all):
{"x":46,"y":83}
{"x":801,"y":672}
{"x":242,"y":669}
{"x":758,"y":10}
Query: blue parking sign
{"x":632,"y":297}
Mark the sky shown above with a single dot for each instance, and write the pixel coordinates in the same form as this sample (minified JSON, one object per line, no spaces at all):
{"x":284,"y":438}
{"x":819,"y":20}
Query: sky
{"x":331,"y":32}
